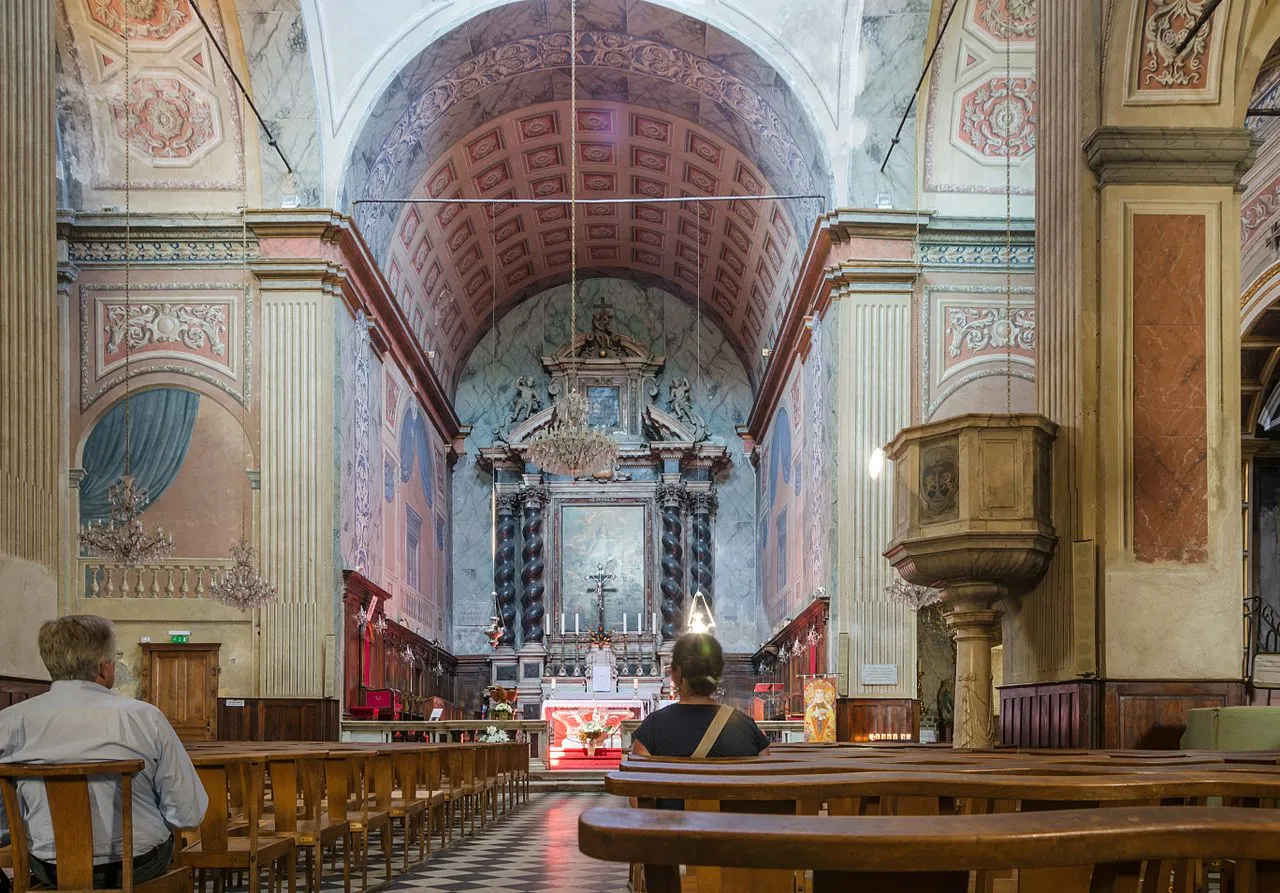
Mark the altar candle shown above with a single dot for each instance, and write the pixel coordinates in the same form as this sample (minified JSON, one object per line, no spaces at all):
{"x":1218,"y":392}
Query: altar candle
{"x":624,"y":623}
{"x":553,"y":686}
{"x":562,"y":623}
{"x":575,"y":624}
{"x":655,"y":623}
{"x":639,"y":622}
{"x":635,"y":684}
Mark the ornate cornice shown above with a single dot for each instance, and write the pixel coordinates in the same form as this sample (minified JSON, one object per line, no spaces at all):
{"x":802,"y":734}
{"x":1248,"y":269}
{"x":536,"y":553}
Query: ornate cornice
{"x":1163,"y":156}
{"x":154,"y":240}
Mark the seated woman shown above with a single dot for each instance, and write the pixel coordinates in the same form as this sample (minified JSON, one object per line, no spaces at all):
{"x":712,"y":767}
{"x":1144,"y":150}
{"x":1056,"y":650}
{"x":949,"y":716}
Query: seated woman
{"x":697,"y":726}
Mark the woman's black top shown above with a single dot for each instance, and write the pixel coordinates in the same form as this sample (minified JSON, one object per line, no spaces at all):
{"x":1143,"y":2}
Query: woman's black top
{"x":675,"y":730}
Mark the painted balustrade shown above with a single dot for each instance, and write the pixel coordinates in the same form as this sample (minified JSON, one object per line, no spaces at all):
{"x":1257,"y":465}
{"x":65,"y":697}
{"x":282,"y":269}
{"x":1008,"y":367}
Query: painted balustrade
{"x":181,"y":578}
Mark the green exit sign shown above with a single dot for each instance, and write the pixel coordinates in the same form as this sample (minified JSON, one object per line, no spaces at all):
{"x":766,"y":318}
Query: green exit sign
{"x":179,"y":636}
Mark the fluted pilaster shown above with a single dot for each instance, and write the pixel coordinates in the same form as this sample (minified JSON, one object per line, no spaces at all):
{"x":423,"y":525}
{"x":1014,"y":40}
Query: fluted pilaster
{"x":702,"y":504}
{"x":874,"y":381}
{"x":671,"y":497}
{"x":297,"y":477}
{"x":504,"y":566}
{"x":30,"y":366}
{"x":533,"y":568}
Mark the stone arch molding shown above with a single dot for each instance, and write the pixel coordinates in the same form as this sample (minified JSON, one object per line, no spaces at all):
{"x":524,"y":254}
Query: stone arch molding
{"x":349,"y":114}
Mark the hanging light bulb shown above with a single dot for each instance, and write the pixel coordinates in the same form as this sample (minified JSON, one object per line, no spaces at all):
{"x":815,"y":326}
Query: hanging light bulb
{"x":875,"y":465}
{"x":701,"y":619}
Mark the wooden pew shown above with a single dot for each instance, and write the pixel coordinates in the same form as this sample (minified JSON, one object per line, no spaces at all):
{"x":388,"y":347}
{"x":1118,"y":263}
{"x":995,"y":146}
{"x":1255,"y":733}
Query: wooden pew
{"x":1090,"y":851}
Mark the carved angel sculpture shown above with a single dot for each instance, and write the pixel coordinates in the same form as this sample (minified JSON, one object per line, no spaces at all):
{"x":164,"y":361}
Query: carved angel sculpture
{"x":526,"y":401}
{"x":680,"y":402}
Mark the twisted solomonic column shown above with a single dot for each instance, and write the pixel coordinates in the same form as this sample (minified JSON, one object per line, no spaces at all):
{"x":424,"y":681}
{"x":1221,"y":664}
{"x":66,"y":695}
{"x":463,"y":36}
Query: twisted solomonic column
{"x":535,"y":498}
{"x":702,"y":503}
{"x":504,"y":566}
{"x":671,"y":497}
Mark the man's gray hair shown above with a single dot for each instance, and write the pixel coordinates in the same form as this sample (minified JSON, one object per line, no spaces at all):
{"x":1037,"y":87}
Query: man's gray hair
{"x":76,"y":646}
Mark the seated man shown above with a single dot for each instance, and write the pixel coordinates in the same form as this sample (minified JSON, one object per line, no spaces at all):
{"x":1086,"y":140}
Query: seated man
{"x":80,"y":720}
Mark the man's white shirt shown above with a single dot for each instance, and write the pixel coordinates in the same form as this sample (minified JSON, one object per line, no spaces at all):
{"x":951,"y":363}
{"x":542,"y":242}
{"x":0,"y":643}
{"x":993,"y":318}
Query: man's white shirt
{"x":77,"y":722}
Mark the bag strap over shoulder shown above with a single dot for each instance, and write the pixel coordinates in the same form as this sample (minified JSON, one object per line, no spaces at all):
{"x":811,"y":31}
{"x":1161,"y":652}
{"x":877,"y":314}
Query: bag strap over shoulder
{"x":712,"y":734}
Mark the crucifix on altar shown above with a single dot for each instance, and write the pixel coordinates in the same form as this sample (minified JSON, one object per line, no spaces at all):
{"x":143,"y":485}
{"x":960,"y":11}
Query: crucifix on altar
{"x":598,"y":581}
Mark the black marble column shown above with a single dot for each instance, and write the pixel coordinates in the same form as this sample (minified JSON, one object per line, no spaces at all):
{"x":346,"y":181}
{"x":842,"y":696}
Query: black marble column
{"x":702,"y":503}
{"x":504,"y":566}
{"x":671,"y":497}
{"x":533,"y":568}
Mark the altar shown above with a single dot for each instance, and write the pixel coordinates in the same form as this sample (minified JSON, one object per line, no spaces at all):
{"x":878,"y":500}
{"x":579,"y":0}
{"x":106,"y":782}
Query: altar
{"x":590,"y":571}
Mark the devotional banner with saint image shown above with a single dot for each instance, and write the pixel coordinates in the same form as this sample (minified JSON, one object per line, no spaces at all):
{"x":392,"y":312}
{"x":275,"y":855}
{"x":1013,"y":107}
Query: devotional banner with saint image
{"x":819,"y":709}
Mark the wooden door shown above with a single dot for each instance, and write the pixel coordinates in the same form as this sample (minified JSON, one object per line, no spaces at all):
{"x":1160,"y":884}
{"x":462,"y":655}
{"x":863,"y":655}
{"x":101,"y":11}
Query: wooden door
{"x":182,"y":680}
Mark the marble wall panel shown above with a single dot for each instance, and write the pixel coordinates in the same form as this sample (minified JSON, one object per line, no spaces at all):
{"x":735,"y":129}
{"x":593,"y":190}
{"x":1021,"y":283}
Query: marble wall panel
{"x":893,"y":38}
{"x":1169,"y":425}
{"x":667,"y":326}
{"x":275,"y":43}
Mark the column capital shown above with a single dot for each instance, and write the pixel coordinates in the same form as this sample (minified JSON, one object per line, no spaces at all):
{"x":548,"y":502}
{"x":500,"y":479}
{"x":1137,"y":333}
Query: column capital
{"x":534,"y":496}
{"x":670,"y":494}
{"x":1165,"y":156}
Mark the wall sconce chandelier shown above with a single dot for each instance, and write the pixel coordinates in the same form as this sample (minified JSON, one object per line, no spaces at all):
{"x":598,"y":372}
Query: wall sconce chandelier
{"x":123,"y":539}
{"x":911,"y":595}
{"x":240,"y":585}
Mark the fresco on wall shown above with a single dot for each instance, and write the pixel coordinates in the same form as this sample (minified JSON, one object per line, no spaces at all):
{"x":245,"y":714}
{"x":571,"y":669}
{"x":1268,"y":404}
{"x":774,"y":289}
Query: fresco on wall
{"x":608,"y":537}
{"x":795,"y":488}
{"x":393,"y":502}
{"x":722,"y":393}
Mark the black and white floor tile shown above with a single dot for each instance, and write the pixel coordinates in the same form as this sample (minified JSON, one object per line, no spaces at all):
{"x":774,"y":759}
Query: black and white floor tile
{"x":534,"y":849}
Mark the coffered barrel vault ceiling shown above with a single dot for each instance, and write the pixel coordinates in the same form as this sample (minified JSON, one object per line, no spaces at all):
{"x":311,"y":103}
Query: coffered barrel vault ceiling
{"x":668,"y":107}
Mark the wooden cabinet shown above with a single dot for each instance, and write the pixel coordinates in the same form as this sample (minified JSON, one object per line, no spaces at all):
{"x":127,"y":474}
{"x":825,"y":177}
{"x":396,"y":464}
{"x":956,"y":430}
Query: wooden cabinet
{"x":182,"y":680}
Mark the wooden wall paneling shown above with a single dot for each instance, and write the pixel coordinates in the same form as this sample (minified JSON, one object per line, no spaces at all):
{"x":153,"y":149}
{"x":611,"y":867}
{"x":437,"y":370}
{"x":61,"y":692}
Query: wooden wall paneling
{"x":1059,"y":714}
{"x":278,"y":719}
{"x":1152,"y":714}
{"x":858,"y":719}
{"x":14,"y":690}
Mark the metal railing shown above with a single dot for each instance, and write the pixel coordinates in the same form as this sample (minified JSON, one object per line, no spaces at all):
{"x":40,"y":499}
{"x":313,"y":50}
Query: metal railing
{"x":1263,"y":624}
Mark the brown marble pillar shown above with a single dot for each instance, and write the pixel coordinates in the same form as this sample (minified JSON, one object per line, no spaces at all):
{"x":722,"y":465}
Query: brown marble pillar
{"x":30,"y":368}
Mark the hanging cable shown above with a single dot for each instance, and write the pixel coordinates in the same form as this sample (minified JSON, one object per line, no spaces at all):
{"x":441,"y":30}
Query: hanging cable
{"x":128,"y":246}
{"x":271,"y":140}
{"x":573,"y":186}
{"x":1008,"y":213}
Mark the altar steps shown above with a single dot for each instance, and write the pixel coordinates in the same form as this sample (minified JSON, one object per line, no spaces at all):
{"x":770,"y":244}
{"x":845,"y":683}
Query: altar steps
{"x":566,"y":781}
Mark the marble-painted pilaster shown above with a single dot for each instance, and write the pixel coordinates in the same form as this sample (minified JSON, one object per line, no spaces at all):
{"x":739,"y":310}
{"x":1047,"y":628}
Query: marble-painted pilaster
{"x":30,"y":401}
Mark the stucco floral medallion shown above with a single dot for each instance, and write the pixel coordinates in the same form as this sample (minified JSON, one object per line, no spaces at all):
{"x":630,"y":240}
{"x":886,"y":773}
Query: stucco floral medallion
{"x":169,"y":120}
{"x":148,"y":19}
{"x":1006,"y":19}
{"x":998,"y":118}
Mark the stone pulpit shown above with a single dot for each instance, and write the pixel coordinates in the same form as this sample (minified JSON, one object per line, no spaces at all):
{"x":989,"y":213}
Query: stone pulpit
{"x":971,"y":510}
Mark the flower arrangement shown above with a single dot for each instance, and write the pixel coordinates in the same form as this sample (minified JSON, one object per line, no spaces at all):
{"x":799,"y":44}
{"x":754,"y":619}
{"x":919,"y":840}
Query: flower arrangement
{"x":493,"y":735}
{"x":502,"y":710}
{"x":592,"y":730}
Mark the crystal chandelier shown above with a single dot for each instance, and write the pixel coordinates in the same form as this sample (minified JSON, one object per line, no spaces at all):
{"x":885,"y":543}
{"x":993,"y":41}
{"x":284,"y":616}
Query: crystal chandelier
{"x":124,"y":539}
{"x":240,"y":586}
{"x":911,"y":595}
{"x":569,"y":446}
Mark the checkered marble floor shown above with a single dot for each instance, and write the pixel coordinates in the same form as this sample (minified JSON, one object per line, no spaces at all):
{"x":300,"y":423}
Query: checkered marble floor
{"x":532,"y":850}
